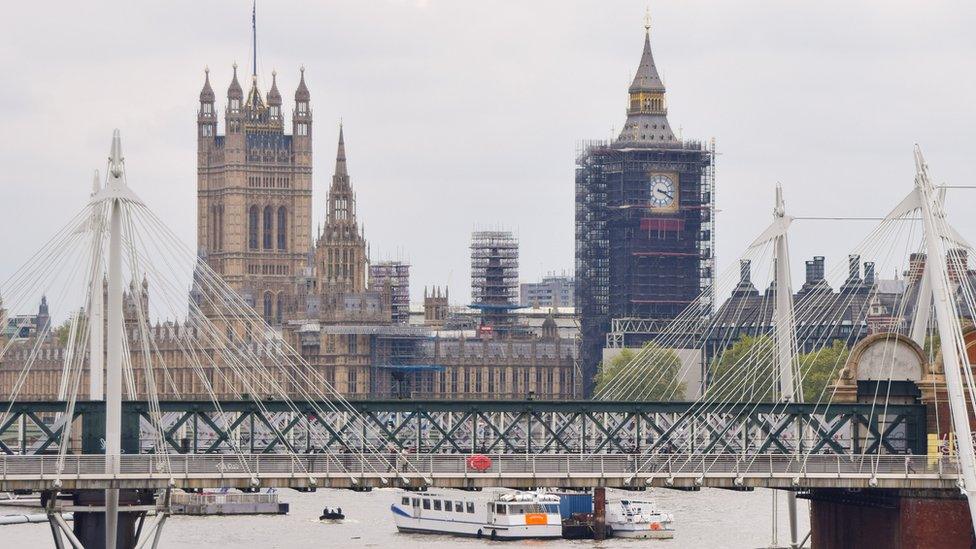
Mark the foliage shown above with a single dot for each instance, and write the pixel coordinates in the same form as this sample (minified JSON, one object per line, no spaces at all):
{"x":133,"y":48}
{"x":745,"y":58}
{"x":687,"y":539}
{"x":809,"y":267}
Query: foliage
{"x":61,"y":332}
{"x":654,"y":377}
{"x":746,"y":371}
{"x":820,"y":368}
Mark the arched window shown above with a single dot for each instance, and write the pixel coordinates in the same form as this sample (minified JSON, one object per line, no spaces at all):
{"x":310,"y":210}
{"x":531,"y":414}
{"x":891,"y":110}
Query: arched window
{"x":278,"y":309}
{"x":282,"y":228}
{"x":267,"y":227}
{"x":252,"y":228}
{"x":268,"y":307}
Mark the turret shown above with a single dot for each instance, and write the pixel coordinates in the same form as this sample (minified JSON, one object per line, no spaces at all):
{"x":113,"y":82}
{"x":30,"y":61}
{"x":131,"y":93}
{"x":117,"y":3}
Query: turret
{"x":206,"y":116}
{"x":274,"y":99}
{"x":302,"y":122}
{"x":235,"y":95}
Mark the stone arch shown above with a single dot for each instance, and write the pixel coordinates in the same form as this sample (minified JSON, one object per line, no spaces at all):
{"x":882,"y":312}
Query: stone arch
{"x":884,"y":356}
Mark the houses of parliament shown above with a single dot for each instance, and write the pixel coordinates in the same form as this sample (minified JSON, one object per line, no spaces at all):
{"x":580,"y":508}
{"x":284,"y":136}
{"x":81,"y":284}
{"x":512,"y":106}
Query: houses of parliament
{"x":255,"y":230}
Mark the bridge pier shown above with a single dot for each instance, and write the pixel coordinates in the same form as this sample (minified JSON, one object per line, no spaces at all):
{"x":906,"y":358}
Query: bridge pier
{"x":89,"y":527}
{"x":896,"y":519}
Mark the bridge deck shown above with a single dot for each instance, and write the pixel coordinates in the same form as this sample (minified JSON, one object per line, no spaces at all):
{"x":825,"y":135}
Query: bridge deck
{"x":40,"y":472}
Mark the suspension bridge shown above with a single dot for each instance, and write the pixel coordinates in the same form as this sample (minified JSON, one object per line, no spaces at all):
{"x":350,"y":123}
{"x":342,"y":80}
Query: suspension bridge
{"x":890,"y":414}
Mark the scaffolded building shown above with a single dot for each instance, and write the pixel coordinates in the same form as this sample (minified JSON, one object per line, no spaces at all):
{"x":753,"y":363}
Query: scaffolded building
{"x":644,"y":226}
{"x":393,"y":277}
{"x":494,"y":279}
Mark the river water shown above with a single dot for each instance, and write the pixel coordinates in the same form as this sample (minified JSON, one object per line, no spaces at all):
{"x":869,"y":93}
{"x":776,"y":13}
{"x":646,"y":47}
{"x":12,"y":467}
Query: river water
{"x":709,"y":518}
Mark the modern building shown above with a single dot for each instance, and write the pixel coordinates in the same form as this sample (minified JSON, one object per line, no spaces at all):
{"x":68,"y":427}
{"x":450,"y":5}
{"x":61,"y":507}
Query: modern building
{"x":393,"y":278}
{"x":552,"y":291}
{"x":644,"y":224}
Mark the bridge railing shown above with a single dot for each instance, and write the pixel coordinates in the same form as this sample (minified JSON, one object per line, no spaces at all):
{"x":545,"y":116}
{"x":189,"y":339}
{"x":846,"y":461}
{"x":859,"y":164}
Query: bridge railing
{"x":257,"y":466}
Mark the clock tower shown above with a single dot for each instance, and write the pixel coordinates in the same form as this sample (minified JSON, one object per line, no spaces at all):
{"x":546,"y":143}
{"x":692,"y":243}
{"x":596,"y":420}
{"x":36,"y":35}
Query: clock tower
{"x":644,"y":225}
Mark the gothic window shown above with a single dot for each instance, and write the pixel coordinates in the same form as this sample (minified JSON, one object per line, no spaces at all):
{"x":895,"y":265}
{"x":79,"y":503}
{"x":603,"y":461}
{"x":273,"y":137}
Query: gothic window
{"x":235,"y":105}
{"x":282,"y":228}
{"x":220,"y":227}
{"x":302,"y":128}
{"x":267,"y":227}
{"x":268,"y":306}
{"x":352,"y":344}
{"x":252,"y":228}
{"x":278,"y":309}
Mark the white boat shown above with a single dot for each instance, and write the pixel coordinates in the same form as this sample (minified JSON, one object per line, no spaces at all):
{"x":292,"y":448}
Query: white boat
{"x":639,"y":520}
{"x":513,"y":515}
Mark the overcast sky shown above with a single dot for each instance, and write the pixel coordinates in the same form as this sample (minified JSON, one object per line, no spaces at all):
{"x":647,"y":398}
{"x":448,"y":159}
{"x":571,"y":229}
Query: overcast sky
{"x":463,"y":115}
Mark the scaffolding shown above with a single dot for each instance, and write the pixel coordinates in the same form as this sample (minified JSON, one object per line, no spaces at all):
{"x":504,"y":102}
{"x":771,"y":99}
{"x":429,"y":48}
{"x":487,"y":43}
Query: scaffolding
{"x":494,"y":279}
{"x":635,"y":261}
{"x":393,"y":277}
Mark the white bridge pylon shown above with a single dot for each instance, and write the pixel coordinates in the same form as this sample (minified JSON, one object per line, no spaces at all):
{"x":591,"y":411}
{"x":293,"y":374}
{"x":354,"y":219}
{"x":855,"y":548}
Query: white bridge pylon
{"x":784,"y":333}
{"x":939,"y":238}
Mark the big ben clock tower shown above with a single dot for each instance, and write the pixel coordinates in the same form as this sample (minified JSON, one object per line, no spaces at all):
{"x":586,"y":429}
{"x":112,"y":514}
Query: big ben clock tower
{"x":644,"y":225}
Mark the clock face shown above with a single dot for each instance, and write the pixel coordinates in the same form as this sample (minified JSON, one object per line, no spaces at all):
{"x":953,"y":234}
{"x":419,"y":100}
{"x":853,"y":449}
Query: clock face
{"x":662,"y":191}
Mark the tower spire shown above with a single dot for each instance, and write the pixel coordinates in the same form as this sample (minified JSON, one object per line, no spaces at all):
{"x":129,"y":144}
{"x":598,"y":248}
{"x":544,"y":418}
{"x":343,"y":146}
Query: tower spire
{"x":340,"y":169}
{"x":647,"y":111}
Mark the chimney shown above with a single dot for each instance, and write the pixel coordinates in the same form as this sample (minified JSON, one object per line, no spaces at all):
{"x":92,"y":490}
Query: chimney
{"x":815,"y":270}
{"x":869,"y":273}
{"x":745,"y":274}
{"x":854,"y":263}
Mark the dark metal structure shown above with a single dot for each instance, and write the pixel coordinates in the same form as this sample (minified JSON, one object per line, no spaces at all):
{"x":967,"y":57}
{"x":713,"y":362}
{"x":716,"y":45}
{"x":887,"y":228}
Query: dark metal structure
{"x":503,"y":427}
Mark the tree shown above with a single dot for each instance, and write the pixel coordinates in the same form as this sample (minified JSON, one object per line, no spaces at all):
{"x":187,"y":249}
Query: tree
{"x":649,"y":374}
{"x":747,"y":371}
{"x":61,"y":332}
{"x":744,"y":371}
{"x":820,"y":368}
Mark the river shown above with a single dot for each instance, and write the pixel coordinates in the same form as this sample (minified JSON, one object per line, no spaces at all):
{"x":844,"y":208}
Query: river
{"x":709,"y":518}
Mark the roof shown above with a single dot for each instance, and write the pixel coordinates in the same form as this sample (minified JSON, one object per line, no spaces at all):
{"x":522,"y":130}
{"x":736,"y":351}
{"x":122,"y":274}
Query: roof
{"x":647,"y":77}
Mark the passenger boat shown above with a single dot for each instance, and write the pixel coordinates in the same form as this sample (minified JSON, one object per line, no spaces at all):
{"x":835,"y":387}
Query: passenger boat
{"x":639,"y":520}
{"x":512,"y":515}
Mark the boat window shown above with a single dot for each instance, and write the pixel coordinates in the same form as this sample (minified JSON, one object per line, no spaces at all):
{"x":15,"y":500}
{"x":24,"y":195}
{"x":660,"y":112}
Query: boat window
{"x":447,"y":505}
{"x":426,"y":503}
{"x":470,"y":506}
{"x":437,"y":505}
{"x":458,"y":507}
{"x":405,"y":501}
{"x":552,"y":508}
{"x":501,"y":509}
{"x":491,"y":507}
{"x":416,"y":502}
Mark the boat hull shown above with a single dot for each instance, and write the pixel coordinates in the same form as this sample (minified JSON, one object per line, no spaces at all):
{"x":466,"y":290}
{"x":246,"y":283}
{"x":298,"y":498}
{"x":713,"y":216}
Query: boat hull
{"x":409,"y":524}
{"x":645,"y":533}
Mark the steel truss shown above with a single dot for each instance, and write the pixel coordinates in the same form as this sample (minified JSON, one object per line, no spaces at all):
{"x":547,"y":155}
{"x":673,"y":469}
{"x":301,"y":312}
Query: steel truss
{"x":497,"y":427}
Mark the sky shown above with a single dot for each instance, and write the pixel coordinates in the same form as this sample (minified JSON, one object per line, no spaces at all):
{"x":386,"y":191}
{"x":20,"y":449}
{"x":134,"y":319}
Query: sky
{"x":463,"y":115}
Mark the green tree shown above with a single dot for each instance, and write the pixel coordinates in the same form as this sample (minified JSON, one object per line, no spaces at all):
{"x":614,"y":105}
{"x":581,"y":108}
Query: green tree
{"x":746,"y":371}
{"x":654,"y":377}
{"x":61,"y":332}
{"x":820,"y":368}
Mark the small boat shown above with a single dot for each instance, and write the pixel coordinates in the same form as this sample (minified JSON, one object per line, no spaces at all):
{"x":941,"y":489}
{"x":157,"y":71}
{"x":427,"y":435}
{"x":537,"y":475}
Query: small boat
{"x":638,"y":520}
{"x":332,"y":513}
{"x":512,"y":515}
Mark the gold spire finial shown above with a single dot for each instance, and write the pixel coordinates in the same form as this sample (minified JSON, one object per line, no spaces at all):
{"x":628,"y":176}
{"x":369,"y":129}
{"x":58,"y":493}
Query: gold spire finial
{"x":647,"y":20}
